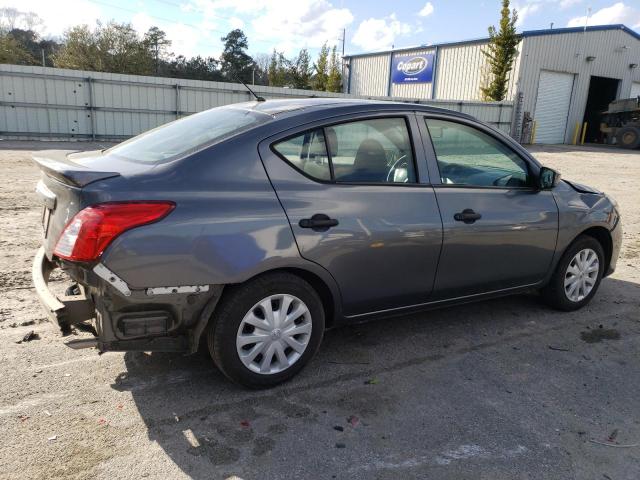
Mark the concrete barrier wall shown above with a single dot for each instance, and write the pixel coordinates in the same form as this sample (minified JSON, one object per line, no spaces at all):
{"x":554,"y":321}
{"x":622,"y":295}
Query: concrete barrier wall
{"x":54,"y":103}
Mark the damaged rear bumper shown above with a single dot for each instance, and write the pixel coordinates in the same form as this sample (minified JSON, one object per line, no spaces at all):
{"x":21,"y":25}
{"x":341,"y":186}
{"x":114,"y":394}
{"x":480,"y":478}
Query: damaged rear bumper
{"x":65,"y":310}
{"x":169,"y":319}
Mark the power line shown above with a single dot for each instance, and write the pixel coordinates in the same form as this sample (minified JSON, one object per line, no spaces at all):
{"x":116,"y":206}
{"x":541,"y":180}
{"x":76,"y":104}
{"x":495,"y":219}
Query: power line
{"x":174,"y":4}
{"x":195,"y":27}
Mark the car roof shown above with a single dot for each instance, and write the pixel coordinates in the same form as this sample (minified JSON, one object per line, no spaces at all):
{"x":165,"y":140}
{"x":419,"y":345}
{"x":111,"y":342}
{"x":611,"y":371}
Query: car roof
{"x":291,"y":107}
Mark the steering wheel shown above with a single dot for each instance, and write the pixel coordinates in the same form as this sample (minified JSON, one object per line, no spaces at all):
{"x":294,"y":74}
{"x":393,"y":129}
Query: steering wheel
{"x":395,"y":165}
{"x":503,"y":181}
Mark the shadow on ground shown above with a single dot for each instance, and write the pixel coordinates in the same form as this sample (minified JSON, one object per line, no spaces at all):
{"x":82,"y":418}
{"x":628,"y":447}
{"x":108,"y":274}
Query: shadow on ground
{"x":499,"y":389}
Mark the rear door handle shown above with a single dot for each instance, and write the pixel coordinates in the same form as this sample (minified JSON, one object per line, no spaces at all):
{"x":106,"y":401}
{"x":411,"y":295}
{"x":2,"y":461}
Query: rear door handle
{"x":318,"y":222}
{"x":467,"y":216}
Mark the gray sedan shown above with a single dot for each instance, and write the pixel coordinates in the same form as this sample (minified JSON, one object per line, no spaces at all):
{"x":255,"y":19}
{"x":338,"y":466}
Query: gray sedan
{"x":256,"y":226}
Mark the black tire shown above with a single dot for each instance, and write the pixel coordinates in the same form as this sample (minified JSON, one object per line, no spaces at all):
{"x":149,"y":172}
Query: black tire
{"x":554,"y":293}
{"x":236,"y":302}
{"x":628,"y":137}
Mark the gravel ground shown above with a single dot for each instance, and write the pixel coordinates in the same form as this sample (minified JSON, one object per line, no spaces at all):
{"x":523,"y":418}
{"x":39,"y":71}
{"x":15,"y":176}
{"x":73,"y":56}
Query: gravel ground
{"x":499,"y":389}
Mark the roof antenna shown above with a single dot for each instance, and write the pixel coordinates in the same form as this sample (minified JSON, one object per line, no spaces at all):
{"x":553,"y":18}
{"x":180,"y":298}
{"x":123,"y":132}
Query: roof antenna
{"x":258,"y":97}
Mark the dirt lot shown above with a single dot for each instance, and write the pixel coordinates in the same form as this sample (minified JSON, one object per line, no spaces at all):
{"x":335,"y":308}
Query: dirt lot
{"x":500,"y":389}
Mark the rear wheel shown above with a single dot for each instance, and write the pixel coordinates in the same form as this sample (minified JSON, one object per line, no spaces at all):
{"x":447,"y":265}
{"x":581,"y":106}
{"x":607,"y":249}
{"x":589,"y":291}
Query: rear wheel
{"x":266,"y":330}
{"x":628,"y":137}
{"x":577,"y":276}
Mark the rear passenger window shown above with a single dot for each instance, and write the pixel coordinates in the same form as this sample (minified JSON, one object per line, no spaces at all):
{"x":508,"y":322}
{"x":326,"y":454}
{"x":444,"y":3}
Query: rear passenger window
{"x":307,"y":152}
{"x":371,"y":151}
{"x":368,"y":151}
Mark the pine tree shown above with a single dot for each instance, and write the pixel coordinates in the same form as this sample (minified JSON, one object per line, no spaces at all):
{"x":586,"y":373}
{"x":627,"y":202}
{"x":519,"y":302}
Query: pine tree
{"x":301,"y":70}
{"x":501,"y":53}
{"x":158,"y":43}
{"x":278,"y":70}
{"x":334,"y":79}
{"x":235,"y":63}
{"x":321,"y":68}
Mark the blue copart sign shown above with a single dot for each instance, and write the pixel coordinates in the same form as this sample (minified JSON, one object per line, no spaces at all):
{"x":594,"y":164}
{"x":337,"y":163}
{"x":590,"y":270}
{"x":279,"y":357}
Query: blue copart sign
{"x":412,"y":68}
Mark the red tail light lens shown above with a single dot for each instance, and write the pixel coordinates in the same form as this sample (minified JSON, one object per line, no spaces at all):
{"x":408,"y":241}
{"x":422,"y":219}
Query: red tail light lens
{"x":91,"y":230}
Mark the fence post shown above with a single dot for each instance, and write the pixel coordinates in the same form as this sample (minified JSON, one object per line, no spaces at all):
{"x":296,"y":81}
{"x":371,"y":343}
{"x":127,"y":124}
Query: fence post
{"x":177,"y":112}
{"x":91,"y":110}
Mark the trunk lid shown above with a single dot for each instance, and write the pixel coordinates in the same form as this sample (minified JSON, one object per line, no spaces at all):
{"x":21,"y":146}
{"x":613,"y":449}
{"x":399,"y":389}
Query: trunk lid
{"x":60,"y":189}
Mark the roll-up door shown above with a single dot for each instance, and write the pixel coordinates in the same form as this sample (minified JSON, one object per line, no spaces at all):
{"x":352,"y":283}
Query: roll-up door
{"x":552,"y":106}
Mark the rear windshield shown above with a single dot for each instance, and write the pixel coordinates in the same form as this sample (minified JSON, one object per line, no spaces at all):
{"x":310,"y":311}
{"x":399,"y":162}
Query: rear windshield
{"x":189,"y":134}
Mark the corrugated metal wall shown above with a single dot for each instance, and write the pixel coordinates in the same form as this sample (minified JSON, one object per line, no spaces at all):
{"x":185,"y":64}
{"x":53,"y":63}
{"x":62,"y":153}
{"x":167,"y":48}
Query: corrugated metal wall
{"x":463,"y":69}
{"x":370,"y":75}
{"x":56,"y":103}
{"x":567,"y":53}
{"x":460,"y":71}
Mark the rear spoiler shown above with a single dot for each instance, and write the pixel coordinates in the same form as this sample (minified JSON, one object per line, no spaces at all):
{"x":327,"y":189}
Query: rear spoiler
{"x":55,"y":164}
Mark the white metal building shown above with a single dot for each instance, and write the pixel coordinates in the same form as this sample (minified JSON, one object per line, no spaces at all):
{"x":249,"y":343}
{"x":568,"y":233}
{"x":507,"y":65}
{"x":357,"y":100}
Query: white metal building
{"x":562,"y":77}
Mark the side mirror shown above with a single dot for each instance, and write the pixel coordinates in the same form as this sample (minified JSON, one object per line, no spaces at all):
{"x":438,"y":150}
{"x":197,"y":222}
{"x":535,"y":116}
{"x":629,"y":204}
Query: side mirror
{"x":548,"y":178}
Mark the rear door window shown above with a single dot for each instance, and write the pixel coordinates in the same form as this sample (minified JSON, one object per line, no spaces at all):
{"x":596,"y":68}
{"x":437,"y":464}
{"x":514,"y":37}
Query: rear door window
{"x":308,"y":153}
{"x":367,"y":151}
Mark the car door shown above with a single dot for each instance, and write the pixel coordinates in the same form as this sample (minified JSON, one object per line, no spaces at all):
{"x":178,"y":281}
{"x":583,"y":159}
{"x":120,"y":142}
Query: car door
{"x":499,"y":230}
{"x":357,"y":196}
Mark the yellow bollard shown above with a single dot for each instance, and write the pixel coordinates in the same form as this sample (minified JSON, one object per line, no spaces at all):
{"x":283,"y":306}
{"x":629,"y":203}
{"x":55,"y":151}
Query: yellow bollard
{"x":576,"y":132}
{"x":533,"y":132}
{"x":584,"y":133}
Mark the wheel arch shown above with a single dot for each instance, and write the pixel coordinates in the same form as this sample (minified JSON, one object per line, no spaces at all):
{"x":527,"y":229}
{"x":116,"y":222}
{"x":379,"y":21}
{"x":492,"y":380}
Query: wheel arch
{"x":603,"y":236}
{"x":328,"y":292}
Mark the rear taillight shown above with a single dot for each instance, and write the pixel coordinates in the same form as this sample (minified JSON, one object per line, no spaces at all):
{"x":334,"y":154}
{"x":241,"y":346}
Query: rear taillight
{"x":91,"y":230}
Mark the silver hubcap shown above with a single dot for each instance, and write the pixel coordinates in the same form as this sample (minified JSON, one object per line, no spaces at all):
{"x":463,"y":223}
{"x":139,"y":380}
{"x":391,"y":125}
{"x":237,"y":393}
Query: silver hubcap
{"x":581,"y":275}
{"x":274,"y":334}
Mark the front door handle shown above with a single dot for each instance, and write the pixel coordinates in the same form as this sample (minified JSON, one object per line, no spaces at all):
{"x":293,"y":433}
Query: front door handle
{"x":467,"y":216}
{"x":318,"y":222}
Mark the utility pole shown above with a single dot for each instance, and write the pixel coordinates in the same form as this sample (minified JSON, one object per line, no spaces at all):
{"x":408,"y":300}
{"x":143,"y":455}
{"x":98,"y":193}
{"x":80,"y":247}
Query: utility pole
{"x":342,"y":70}
{"x":43,"y":62}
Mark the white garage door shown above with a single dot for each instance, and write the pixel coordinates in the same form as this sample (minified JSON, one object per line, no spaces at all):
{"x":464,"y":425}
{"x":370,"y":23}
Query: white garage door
{"x":552,"y":106}
{"x":635,"y":90}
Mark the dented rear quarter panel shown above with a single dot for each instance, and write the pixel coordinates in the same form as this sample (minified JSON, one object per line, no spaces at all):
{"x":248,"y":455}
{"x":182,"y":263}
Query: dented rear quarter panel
{"x":227,"y":227}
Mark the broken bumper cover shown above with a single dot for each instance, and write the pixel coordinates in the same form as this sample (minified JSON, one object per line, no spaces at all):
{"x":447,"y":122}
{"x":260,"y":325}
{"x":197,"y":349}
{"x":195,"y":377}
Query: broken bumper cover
{"x":63,"y":311}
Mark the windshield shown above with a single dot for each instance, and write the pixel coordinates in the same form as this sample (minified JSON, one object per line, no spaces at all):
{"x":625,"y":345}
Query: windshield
{"x":188,"y":135}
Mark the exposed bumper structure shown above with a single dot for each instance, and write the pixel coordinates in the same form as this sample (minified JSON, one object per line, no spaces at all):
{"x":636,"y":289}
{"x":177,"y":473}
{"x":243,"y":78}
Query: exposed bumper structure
{"x":66,"y":310}
{"x":117,"y":327}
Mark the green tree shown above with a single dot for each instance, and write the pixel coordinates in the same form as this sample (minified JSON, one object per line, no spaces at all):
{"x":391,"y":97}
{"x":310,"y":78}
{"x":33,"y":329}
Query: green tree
{"x":301,"y":70}
{"x":334,"y":78}
{"x":80,"y":50}
{"x":321,"y":69}
{"x":30,"y":41}
{"x":501,"y":53}
{"x":278,"y":66}
{"x":123,"y":51}
{"x":158,"y":44}
{"x":196,"y":68}
{"x":115,"y":48}
{"x":236,"y":64}
{"x":13,"y":52}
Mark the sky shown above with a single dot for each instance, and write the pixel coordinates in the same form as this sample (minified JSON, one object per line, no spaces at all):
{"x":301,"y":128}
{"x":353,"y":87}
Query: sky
{"x":196,"y":26}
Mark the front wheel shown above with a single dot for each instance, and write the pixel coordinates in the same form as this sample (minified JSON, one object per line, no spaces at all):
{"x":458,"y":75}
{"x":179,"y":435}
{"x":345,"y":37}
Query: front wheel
{"x":577,"y":276}
{"x":266,"y":330}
